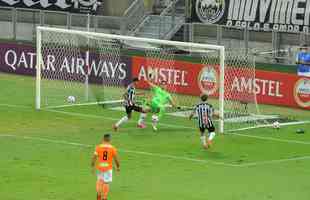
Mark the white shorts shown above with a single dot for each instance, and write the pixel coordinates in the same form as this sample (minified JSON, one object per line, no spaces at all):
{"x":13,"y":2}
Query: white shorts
{"x":106,"y":176}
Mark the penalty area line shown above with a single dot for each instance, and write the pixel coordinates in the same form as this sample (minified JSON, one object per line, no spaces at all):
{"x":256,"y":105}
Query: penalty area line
{"x":185,"y":127}
{"x":111,"y":118}
{"x":169,"y":125}
{"x":64,"y":142}
{"x":275,"y":161}
{"x":167,"y":156}
{"x":269,"y":125}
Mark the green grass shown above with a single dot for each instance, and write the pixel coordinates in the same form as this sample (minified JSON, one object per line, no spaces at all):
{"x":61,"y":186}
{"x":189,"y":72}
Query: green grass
{"x":41,"y":161}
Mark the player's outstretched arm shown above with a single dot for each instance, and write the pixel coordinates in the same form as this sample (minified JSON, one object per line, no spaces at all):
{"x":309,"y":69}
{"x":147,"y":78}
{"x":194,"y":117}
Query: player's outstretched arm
{"x":173,"y":103}
{"x":117,"y":163}
{"x":140,"y":94}
{"x":304,"y":63}
{"x":191,"y":115}
{"x":125,"y":95}
{"x":217,"y":114}
{"x":93,"y":161}
{"x":150,"y":83}
{"x":300,"y":62}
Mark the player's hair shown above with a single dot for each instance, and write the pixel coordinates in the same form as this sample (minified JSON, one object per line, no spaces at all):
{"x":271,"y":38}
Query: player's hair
{"x":204,"y":97}
{"x":135,"y":79}
{"x":107,"y":137}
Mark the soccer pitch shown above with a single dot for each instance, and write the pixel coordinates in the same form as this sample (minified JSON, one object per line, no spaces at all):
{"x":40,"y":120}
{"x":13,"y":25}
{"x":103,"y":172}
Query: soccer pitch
{"x":46,"y":155}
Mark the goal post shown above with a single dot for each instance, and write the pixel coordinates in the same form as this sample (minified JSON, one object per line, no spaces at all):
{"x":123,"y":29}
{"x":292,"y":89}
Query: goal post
{"x":96,"y":67}
{"x":38,"y":69}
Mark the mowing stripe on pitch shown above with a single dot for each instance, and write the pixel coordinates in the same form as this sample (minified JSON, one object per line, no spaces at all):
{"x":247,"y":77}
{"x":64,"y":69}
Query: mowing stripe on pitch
{"x":120,"y":150}
{"x":185,"y":127}
{"x":163,"y":124}
{"x":161,"y":155}
{"x":275,"y":161}
{"x":15,"y":106}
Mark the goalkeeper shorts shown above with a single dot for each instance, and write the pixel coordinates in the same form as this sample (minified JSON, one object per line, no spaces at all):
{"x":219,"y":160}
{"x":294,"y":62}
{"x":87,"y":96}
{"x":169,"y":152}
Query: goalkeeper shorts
{"x":155,"y":108}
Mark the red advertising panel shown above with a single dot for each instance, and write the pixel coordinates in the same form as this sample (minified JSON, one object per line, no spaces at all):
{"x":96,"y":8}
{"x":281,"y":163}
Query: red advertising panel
{"x":193,"y":79}
{"x":276,"y":88}
{"x":181,"y":77}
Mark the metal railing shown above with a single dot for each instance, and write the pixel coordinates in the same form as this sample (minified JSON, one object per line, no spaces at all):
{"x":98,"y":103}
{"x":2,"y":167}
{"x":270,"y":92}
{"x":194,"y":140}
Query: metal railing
{"x":133,"y":16}
{"x":20,"y":23}
{"x":164,"y":25}
{"x":170,"y":21}
{"x":272,"y":47}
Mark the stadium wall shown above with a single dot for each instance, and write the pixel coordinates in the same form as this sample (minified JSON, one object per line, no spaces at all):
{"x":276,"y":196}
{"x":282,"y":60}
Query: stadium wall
{"x":273,"y":88}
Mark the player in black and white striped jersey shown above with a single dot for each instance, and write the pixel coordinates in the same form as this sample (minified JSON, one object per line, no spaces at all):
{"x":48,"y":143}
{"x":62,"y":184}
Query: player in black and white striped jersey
{"x":205,"y":112}
{"x":130,"y":105}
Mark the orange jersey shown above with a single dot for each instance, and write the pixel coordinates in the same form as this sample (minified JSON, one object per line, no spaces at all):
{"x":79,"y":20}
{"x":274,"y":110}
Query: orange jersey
{"x":105,"y":153}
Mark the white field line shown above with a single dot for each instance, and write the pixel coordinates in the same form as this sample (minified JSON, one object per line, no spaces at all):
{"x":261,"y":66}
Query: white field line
{"x":272,"y":139}
{"x":85,"y":104}
{"x":161,"y":155}
{"x":169,"y":125}
{"x":15,"y":106}
{"x":121,"y":150}
{"x":186,"y":127}
{"x":270,"y":125}
{"x":111,"y":118}
{"x":275,"y":161}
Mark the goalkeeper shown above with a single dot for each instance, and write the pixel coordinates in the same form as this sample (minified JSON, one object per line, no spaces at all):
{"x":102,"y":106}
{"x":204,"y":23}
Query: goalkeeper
{"x":160,"y":99}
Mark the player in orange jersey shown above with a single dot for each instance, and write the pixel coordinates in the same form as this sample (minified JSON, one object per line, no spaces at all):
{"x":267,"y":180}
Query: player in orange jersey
{"x":102,"y":160}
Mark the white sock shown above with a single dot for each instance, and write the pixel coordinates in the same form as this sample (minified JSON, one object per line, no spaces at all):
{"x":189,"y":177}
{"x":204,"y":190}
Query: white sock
{"x":155,"y":120}
{"x":203,"y":140}
{"x":142,"y":118}
{"x":211,"y":136}
{"x":121,"y":121}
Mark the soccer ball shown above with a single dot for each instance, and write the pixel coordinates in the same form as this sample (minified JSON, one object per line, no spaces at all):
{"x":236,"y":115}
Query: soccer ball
{"x":276,"y":125}
{"x":71,"y":99}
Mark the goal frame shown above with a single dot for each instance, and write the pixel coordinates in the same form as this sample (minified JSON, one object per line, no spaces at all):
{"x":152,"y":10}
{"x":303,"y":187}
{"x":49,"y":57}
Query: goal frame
{"x":220,"y":49}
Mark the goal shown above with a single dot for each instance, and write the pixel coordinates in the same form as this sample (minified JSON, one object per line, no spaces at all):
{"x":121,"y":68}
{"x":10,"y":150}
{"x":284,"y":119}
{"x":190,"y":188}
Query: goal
{"x":94,"y":68}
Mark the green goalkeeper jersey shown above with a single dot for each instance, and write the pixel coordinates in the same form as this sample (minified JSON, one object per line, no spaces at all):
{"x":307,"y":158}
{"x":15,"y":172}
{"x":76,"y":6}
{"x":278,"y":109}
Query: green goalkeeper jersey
{"x":160,"y":99}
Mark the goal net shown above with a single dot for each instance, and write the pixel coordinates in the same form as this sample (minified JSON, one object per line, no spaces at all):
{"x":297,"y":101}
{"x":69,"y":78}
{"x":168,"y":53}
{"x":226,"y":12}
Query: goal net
{"x":83,"y":68}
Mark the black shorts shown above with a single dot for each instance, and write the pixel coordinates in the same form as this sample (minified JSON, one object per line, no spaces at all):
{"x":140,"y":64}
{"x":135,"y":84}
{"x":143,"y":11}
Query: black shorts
{"x":136,"y":108}
{"x":210,"y":129}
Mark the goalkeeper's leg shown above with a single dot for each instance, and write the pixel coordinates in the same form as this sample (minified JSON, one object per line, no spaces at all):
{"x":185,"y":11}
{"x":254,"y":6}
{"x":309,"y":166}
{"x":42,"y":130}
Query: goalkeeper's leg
{"x":155,"y":117}
{"x":155,"y":120}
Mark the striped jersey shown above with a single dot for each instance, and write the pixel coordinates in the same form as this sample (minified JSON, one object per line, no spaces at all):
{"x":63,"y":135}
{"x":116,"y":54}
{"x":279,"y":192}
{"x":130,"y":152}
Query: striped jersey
{"x":204,"y":113}
{"x":129,"y":99}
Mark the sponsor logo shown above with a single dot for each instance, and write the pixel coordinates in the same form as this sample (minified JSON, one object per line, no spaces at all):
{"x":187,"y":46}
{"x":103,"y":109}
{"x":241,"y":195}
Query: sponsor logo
{"x":269,"y":15}
{"x":256,"y":86}
{"x":302,"y":92}
{"x":172,"y":76}
{"x":22,"y":60}
{"x":208,"y":80}
{"x":210,"y":11}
